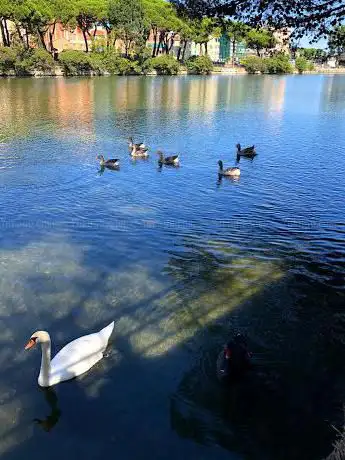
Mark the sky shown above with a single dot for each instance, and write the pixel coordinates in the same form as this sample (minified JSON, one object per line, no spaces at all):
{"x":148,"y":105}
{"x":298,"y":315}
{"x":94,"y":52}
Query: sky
{"x":305,"y":43}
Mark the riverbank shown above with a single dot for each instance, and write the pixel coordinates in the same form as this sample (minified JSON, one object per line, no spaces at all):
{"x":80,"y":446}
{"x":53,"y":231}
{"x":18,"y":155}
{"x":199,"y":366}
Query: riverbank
{"x":242,"y":71}
{"x":58,"y":71}
{"x":39,"y":63}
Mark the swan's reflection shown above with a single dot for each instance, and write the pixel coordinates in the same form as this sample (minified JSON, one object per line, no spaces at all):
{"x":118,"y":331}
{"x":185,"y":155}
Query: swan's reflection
{"x":51,"y":420}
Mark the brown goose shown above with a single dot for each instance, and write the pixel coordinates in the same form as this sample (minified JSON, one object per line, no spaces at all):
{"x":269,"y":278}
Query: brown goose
{"x":233,"y":172}
{"x":246,"y":152}
{"x":111,"y":163}
{"x":171,"y":161}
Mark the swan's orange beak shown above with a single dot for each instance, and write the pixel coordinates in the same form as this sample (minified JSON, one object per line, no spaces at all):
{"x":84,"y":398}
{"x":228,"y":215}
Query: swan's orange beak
{"x":31,"y":343}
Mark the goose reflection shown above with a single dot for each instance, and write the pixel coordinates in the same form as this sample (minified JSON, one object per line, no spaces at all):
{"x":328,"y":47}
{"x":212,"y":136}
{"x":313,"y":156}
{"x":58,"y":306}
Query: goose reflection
{"x":135,"y":160}
{"x":51,"y":420}
{"x":246,"y":158}
{"x":101,"y":170}
{"x":160,"y":167}
{"x":226,"y":179}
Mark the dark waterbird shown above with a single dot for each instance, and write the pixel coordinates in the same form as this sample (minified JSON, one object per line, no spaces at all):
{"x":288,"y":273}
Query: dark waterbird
{"x":246,"y":152}
{"x":234,"y":360}
{"x":232,"y":171}
{"x":112,"y":163}
{"x":139,"y":152}
{"x":170,"y":161}
{"x":139,"y":146}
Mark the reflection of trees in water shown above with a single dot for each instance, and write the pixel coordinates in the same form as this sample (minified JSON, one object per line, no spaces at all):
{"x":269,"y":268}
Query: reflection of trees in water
{"x":65,"y":103}
{"x":64,"y":107}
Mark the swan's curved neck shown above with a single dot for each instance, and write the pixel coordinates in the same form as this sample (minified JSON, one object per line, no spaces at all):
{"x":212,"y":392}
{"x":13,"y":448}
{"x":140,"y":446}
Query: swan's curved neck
{"x":45,"y":364}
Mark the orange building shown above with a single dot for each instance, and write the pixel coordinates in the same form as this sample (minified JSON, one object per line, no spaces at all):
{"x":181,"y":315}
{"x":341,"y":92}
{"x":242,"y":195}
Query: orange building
{"x":67,"y":39}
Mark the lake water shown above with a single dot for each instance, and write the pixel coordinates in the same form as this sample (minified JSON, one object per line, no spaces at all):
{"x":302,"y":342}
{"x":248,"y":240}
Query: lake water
{"x":180,"y":261}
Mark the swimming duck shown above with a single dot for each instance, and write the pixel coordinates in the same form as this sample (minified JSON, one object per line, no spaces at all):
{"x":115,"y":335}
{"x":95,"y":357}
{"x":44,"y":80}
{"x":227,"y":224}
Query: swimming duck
{"x":139,"y":152}
{"x":112,"y":163}
{"x":246,"y":152}
{"x":232,"y":172}
{"x":234,"y":360}
{"x":139,"y":146}
{"x":171,"y":161}
{"x":74,"y":359}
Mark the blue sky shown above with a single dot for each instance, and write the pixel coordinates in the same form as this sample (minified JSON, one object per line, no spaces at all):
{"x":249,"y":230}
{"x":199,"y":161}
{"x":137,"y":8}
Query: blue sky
{"x":305,"y":43}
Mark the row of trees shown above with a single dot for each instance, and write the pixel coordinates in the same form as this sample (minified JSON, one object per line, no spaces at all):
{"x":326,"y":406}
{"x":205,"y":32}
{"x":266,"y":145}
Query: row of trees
{"x":336,"y":47}
{"x":130,"y":21}
{"x":315,"y":18}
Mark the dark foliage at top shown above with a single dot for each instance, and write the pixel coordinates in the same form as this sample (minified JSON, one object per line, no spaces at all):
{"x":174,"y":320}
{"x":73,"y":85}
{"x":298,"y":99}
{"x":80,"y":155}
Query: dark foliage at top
{"x":314,"y":16}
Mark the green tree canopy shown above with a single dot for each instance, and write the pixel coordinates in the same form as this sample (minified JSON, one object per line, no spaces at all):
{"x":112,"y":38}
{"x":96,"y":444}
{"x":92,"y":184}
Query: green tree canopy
{"x":336,"y":41}
{"x":127,"y":18}
{"x":311,"y":16}
{"x":313,"y":54}
{"x":6,"y":12}
{"x":162,"y":19}
{"x":88,"y":13}
{"x":204,"y":29}
{"x":237,"y":33}
{"x":260,"y":39}
{"x":34,"y":16}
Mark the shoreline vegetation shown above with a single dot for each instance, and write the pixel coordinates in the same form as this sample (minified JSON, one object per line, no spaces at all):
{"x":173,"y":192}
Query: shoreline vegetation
{"x":145,"y":37}
{"x":36,"y":62}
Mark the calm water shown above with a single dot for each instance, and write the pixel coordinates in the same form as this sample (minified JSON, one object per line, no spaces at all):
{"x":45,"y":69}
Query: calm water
{"x":179,"y":260}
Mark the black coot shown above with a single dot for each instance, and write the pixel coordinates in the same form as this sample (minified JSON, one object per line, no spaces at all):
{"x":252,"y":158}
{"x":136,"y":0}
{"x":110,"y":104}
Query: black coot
{"x":234,"y":360}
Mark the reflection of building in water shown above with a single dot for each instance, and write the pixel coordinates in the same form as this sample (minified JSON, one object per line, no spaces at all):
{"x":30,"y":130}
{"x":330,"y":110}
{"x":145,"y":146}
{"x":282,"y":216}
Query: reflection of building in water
{"x":273,"y":97}
{"x":165,"y":93}
{"x":332,"y":92}
{"x":239,"y":91}
{"x":17,"y":119}
{"x":203,"y":93}
{"x":126,"y":94}
{"x":274,"y":93}
{"x":129,"y":93}
{"x":170,"y":95}
{"x":71,"y":104}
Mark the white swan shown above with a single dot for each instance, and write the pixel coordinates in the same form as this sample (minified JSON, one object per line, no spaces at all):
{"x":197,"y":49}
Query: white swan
{"x":74,"y":359}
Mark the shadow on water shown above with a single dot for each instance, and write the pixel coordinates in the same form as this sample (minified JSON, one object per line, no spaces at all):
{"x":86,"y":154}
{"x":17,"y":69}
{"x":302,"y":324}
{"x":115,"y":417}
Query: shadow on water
{"x":285,"y":407}
{"x":278,"y":412}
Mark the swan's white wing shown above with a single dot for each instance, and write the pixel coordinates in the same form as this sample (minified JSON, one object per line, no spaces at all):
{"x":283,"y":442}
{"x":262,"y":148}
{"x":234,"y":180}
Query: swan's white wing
{"x":77,"y":357}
